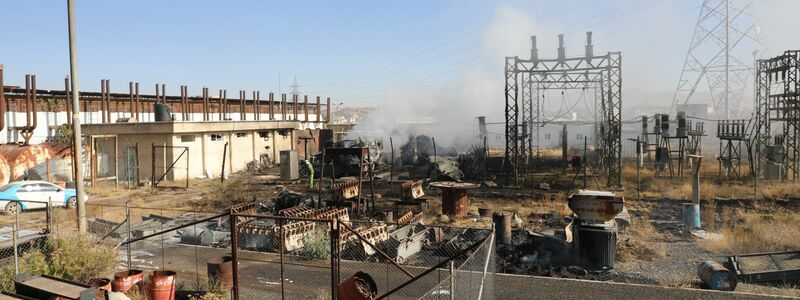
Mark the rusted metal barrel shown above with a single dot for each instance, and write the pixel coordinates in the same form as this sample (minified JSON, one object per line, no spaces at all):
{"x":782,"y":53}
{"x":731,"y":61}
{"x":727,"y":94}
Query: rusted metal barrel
{"x":161,"y":285}
{"x":124,"y":281}
{"x":454,"y":202}
{"x":360,"y":286}
{"x":485,"y":212}
{"x":220,"y":272}
{"x":102,"y":286}
{"x":502,"y":226}
{"x":717,"y":276}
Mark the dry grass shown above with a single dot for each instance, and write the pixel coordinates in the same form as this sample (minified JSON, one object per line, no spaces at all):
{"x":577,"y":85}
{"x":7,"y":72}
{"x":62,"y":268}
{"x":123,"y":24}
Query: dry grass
{"x":761,"y":230}
{"x":641,"y":241}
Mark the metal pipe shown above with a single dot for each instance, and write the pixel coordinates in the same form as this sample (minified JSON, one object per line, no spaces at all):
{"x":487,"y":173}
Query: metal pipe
{"x":329,"y":111}
{"x":256,"y":100}
{"x":294,"y":106}
{"x":242,"y":113}
{"x":138,"y":101}
{"x":108,"y":100}
{"x":205,"y":104}
{"x":27,"y":101}
{"x":220,"y":109}
{"x":2,"y":101}
{"x":271,"y":106}
{"x":130,"y":92}
{"x":76,"y":117}
{"x":33,"y":103}
{"x":319,"y":111}
{"x":102,"y":99}
{"x":305,"y":107}
{"x":283,"y":107}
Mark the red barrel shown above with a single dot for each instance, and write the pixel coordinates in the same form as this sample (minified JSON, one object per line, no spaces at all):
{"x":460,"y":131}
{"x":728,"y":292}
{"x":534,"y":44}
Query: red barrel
{"x":161,"y":285}
{"x":125,"y":280}
{"x":220,"y":272}
{"x":102,"y":285}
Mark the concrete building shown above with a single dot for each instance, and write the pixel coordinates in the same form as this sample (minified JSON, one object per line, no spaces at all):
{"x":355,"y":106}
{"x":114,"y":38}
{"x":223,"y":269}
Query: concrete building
{"x":176,"y":151}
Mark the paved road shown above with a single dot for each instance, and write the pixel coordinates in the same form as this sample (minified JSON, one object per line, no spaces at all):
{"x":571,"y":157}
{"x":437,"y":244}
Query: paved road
{"x":260,"y":279}
{"x":532,"y":287}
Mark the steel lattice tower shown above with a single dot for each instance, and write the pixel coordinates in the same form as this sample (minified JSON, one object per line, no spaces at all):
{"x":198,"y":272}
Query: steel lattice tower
{"x":716,"y":55}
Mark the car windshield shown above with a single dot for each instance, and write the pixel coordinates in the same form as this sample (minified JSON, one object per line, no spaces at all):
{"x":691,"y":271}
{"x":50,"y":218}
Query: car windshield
{"x":6,"y":187}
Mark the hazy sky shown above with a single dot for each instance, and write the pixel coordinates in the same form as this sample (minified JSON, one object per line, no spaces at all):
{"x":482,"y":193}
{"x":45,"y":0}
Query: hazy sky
{"x":359,"y":52}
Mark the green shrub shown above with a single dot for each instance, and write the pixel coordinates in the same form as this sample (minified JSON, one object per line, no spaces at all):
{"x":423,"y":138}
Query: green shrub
{"x":316,"y":246}
{"x":71,"y":259}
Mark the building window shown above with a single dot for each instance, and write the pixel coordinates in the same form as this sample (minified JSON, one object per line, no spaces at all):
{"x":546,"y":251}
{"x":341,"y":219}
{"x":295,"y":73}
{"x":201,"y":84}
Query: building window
{"x":547,"y":136}
{"x":241,"y":134}
{"x":263,"y":134}
{"x":216,"y":137}
{"x":580,"y":136}
{"x":188,"y":138}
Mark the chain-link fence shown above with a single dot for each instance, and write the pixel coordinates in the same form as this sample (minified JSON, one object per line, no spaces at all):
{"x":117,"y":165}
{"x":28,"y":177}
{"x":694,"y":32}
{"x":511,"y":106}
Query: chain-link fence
{"x":303,"y":253}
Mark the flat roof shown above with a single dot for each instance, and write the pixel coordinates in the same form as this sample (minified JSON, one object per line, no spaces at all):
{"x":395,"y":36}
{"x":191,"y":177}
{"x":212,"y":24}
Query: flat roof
{"x":180,"y":127}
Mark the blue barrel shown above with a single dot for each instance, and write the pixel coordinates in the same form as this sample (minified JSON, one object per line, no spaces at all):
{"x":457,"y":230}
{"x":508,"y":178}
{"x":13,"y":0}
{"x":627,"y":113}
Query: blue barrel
{"x":717,"y":276}
{"x":691,"y":215}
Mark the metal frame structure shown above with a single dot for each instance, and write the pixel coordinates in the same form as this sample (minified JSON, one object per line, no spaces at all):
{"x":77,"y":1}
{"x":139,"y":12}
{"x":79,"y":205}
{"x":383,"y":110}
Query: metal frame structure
{"x":156,"y":179}
{"x":723,"y":28}
{"x":731,"y":134}
{"x":777,"y":96}
{"x":583,"y":72}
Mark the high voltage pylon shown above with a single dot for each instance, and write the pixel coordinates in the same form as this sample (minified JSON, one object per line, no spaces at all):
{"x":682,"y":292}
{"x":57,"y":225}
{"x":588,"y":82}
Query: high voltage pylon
{"x":718,"y":55}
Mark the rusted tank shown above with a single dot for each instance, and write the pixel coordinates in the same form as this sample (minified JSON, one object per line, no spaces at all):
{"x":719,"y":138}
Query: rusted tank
{"x":220,"y":272}
{"x":595,"y":206}
{"x":21,"y":158}
{"x":5,"y":171}
{"x":502,"y":225}
{"x":485,"y":212}
{"x":717,"y":276}
{"x":454,"y":197}
{"x":360,"y":286}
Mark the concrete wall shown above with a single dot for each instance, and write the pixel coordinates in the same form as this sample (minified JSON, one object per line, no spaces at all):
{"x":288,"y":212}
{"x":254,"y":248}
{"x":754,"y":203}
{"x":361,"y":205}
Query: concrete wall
{"x":49,"y":121}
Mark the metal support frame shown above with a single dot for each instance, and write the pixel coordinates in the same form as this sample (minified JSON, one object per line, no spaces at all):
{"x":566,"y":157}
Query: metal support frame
{"x":603,"y":71}
{"x":777,"y":96}
{"x":185,"y":150}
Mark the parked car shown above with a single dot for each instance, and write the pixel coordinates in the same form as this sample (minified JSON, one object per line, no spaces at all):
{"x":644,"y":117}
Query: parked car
{"x":35,"y":194}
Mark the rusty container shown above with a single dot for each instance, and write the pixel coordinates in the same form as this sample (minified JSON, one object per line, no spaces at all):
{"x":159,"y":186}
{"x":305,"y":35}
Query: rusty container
{"x":125,"y":280}
{"x":454,"y":202}
{"x":360,"y":286}
{"x":102,"y":286}
{"x":717,"y":276}
{"x":485,"y":212}
{"x":161,"y":285}
{"x":502,"y":226}
{"x":220,"y":272}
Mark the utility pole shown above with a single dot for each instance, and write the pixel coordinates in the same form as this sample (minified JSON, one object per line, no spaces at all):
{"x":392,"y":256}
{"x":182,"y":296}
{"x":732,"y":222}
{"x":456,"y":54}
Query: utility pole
{"x":76,"y":118}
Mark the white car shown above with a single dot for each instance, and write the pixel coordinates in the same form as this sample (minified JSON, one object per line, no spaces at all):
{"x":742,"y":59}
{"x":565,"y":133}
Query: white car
{"x":35,"y":194}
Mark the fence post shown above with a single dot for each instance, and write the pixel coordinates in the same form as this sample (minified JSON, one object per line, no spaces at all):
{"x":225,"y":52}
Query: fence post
{"x":128,"y":220}
{"x":48,"y":217}
{"x":334,"y":234}
{"x":453,"y":281}
{"x":283,"y":292}
{"x":234,"y":253}
{"x":14,"y":230}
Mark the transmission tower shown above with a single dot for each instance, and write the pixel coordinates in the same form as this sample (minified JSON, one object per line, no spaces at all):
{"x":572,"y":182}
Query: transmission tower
{"x":725,"y":36}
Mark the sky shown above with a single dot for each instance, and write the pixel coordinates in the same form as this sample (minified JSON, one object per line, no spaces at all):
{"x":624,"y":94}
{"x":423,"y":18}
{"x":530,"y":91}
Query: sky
{"x":446,"y":53}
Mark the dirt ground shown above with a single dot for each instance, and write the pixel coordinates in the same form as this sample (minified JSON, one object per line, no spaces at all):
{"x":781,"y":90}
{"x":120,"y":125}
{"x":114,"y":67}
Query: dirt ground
{"x":655,"y":249}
